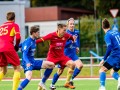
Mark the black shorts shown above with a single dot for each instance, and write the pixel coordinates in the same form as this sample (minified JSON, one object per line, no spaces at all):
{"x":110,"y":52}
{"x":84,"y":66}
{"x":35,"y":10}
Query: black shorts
{"x":107,"y":65}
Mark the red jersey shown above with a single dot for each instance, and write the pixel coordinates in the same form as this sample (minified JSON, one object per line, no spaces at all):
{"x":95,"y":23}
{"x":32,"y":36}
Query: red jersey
{"x":57,"y":43}
{"x":7,"y":33}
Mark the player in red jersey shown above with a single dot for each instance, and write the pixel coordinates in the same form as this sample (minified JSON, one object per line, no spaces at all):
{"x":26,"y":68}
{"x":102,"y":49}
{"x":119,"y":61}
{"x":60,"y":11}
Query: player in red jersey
{"x":8,"y":54}
{"x":56,"y":51}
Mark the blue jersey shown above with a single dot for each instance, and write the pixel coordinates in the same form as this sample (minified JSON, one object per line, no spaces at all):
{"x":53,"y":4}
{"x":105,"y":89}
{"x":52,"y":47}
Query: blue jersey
{"x":70,"y":48}
{"x":112,"y":40}
{"x":28,"y":48}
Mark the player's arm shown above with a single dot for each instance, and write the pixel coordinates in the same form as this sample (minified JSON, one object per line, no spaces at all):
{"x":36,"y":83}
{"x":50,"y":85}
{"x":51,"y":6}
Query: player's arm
{"x":18,"y":37}
{"x":25,"y":50}
{"x":47,"y":37}
{"x":109,"y":46}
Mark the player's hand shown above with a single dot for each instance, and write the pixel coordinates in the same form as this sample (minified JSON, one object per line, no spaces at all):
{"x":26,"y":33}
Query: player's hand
{"x":77,"y":50}
{"x":16,"y":48}
{"x":74,"y":37}
{"x":101,"y":63}
{"x":28,"y":64}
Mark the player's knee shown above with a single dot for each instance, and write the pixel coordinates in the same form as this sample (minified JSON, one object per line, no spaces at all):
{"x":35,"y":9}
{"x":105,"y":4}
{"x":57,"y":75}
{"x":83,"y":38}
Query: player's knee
{"x":101,"y":70}
{"x":60,"y":72}
{"x":72,"y":65}
{"x":79,"y":66}
{"x":111,"y":72}
{"x":29,"y":77}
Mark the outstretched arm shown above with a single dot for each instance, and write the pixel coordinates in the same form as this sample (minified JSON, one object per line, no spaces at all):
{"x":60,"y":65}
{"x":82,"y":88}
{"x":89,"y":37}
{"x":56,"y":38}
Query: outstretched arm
{"x":47,"y":37}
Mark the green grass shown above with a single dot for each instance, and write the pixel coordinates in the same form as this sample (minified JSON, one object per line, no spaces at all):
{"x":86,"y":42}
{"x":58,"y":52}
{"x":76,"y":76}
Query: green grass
{"x":36,"y":74}
{"x":80,"y":85}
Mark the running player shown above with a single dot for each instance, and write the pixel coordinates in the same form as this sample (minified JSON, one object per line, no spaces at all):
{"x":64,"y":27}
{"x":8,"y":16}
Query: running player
{"x":71,"y":50}
{"x":8,"y":55}
{"x":112,"y":55}
{"x":56,"y":51}
{"x":28,"y":63}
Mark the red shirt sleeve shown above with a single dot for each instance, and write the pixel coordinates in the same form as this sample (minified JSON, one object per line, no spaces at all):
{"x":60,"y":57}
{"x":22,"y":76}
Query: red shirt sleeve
{"x":71,"y":37}
{"x":47,"y":37}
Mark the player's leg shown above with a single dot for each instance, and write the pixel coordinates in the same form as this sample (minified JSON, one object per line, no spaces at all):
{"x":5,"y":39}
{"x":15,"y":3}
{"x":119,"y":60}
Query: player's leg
{"x":3,"y":71}
{"x":78,"y":68}
{"x":71,"y":66}
{"x":44,"y":78}
{"x":13,"y":59}
{"x":47,"y":64}
{"x":24,"y":83}
{"x":38,"y":64}
{"x":16,"y":77}
{"x":114,"y":73}
{"x":3,"y":65}
{"x":55,"y":77}
{"x":106,"y":66}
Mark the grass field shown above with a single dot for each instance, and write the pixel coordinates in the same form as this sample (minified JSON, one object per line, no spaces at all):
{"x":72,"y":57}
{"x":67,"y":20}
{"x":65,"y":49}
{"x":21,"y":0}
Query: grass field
{"x":87,"y":84}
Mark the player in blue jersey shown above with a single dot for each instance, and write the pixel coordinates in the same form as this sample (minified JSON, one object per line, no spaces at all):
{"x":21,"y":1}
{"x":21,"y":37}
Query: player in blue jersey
{"x":28,"y":48}
{"x":71,"y":50}
{"x":112,"y":55}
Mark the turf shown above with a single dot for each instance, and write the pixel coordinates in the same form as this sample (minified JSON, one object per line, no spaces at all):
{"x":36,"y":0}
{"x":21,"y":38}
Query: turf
{"x":80,"y":85}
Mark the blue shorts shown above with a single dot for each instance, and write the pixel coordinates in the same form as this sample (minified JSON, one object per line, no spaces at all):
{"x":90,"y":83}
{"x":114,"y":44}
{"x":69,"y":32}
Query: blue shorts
{"x":114,"y":61}
{"x":35,"y":66}
{"x":74,"y":57}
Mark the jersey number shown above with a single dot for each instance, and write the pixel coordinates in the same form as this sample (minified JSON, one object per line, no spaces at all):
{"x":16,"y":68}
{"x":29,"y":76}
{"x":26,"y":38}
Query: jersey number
{"x":118,"y":39}
{"x":3,"y":31}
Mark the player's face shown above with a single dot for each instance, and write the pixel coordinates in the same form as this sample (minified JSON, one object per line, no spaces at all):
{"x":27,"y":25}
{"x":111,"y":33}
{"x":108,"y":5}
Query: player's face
{"x":36,"y":35}
{"x":71,"y":25}
{"x":62,"y":31}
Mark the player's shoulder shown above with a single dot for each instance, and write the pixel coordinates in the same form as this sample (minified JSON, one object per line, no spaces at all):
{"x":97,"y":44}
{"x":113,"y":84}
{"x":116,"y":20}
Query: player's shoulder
{"x":15,"y":24}
{"x":67,"y":35}
{"x":27,"y":41}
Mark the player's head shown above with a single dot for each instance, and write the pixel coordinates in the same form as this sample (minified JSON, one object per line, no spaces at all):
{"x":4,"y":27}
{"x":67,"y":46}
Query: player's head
{"x":34,"y":31}
{"x":61,"y":29}
{"x":10,"y":16}
{"x":71,"y":24}
{"x":105,"y":24}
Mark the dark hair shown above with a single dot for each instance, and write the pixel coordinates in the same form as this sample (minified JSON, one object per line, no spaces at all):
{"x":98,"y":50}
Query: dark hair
{"x":10,"y":16}
{"x":105,"y":24}
{"x":61,"y":25}
{"x":34,"y":29}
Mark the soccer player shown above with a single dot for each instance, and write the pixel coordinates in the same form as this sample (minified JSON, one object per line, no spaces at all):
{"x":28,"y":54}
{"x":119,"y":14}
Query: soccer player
{"x":8,"y":54}
{"x":71,"y":50}
{"x":112,"y":55}
{"x":56,"y":51}
{"x":28,"y":48}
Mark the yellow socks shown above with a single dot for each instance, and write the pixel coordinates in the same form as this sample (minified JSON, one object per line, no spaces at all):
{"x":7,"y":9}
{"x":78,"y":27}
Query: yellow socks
{"x":69,"y":75}
{"x":1,"y":75}
{"x":16,"y":80}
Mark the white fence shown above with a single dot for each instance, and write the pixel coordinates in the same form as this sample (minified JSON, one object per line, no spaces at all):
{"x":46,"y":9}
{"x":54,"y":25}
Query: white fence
{"x":91,"y":64}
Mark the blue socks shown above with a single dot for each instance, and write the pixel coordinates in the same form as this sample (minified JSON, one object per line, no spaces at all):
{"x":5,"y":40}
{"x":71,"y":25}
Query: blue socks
{"x":76,"y":72}
{"x":55,"y":78}
{"x":46,"y":75}
{"x":102,"y":78}
{"x":23,"y":84}
{"x":115,"y":75}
